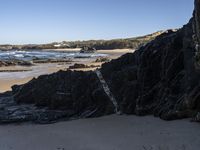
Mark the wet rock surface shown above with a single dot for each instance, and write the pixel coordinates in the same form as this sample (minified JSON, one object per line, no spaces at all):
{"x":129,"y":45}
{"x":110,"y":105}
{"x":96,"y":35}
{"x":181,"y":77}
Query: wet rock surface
{"x":82,"y":66}
{"x":13,"y":62}
{"x":160,"y":78}
{"x":11,"y":112}
{"x":87,"y":49}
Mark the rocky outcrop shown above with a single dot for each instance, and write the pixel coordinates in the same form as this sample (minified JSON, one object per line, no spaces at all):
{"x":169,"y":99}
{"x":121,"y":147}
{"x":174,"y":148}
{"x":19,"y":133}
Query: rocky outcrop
{"x":197,"y":19}
{"x":14,"y":62}
{"x":80,"y":93}
{"x":87,"y":49}
{"x":157,"y":78}
{"x":83,"y":66}
{"x":11,"y":112}
{"x":160,"y":78}
{"x":102,"y":59}
{"x":196,"y":28}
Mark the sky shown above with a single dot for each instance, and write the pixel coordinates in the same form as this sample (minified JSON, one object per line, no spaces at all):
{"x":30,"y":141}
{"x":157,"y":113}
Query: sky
{"x":44,"y":21}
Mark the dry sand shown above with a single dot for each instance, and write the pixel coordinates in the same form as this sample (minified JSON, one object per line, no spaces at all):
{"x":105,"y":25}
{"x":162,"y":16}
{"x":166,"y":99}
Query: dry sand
{"x":106,"y":133}
{"x":8,"y":79}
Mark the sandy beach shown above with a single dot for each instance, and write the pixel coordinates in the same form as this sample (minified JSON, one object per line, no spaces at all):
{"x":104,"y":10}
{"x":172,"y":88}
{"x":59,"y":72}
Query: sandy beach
{"x":64,"y":49}
{"x":100,"y":75}
{"x":106,"y":133}
{"x":8,"y":79}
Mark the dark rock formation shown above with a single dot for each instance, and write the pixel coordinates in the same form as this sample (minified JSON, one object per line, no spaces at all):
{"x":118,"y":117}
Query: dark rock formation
{"x":14,"y":62}
{"x":78,"y":93}
{"x":153,"y":80}
{"x":86,"y":49}
{"x":82,"y":66}
{"x":197,"y":19}
{"x":102,"y":59}
{"x":160,"y":78}
{"x":196,"y":28}
{"x":11,"y":112}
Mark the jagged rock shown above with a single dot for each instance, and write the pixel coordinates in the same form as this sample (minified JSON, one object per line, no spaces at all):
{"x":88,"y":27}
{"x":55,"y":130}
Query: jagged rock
{"x":153,"y":80}
{"x":11,"y":112}
{"x":82,"y":66}
{"x":87,"y":49}
{"x":197,"y":19}
{"x":196,"y":28}
{"x":77,"y":92}
{"x":14,"y":63}
{"x":102,"y":59}
{"x":160,"y":78}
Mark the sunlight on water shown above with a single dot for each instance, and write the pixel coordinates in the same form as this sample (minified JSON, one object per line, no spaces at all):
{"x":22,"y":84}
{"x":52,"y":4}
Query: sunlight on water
{"x":36,"y":54}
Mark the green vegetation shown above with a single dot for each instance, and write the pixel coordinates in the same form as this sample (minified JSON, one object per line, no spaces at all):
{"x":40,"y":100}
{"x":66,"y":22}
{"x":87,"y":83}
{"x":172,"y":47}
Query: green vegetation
{"x":129,"y":43}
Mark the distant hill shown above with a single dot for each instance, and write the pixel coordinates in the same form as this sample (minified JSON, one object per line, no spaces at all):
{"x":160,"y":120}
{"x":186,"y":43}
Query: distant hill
{"x":129,"y":43}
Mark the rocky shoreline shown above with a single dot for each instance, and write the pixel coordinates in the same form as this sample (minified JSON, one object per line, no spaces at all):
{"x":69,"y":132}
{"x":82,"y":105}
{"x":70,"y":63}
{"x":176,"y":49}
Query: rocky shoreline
{"x":160,"y":79}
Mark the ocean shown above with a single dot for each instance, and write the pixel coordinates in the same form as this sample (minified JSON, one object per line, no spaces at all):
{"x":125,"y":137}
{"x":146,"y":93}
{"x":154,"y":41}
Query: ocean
{"x":28,"y":55}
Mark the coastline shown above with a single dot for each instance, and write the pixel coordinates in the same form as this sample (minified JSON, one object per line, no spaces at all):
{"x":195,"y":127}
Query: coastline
{"x":63,"y":49}
{"x":98,"y":96}
{"x":14,"y":76}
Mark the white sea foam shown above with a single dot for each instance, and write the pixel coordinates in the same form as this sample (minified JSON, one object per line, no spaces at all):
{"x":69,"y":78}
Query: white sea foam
{"x":44,"y":54}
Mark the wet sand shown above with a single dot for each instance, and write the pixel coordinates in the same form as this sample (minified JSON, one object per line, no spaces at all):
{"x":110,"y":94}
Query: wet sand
{"x":8,"y":79}
{"x":64,"y":49}
{"x":106,"y":133}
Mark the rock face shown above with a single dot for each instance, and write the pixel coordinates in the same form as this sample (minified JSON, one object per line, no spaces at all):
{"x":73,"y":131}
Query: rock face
{"x":14,"y":63}
{"x":82,"y":66}
{"x":157,"y":78}
{"x":197,"y":19}
{"x":11,"y":112}
{"x":196,"y":28}
{"x":80,"y":93}
{"x":87,"y":50}
{"x":160,"y":78}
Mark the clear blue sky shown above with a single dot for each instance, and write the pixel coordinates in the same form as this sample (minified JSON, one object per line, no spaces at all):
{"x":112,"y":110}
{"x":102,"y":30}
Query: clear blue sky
{"x":42,"y":21}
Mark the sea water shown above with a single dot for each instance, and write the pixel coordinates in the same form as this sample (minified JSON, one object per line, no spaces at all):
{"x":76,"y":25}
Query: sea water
{"x":36,"y":70}
{"x":28,"y":55}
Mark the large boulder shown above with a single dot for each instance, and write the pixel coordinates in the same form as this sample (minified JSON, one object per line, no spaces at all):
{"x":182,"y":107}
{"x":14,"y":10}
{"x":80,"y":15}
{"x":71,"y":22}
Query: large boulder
{"x":160,"y":78}
{"x":79,"y":92}
{"x":86,"y":49}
